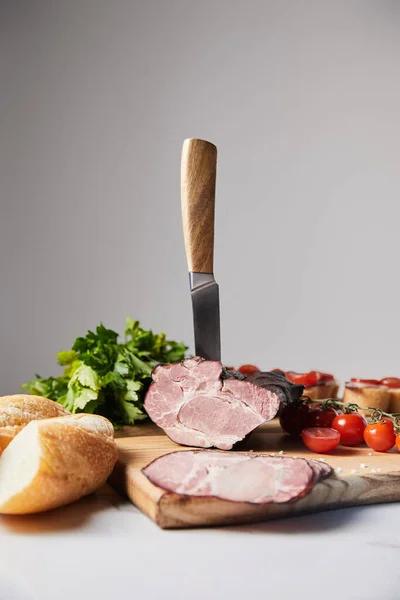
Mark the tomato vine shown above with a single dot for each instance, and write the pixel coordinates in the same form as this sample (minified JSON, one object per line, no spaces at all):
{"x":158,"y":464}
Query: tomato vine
{"x":350,"y":407}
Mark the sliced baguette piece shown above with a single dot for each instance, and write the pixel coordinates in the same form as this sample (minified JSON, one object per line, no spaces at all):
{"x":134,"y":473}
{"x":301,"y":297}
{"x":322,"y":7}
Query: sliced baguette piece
{"x":322,"y":392}
{"x":53,"y":462}
{"x":394,"y":400}
{"x":18,"y":410}
{"x":365,"y":396}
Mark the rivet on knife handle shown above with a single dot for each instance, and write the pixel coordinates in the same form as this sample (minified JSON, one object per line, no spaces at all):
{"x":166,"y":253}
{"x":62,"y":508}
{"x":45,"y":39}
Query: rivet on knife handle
{"x":198,"y":174}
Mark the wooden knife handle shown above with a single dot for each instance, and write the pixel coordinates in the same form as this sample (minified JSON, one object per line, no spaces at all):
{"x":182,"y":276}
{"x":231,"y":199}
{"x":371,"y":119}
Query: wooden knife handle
{"x":198,"y":174}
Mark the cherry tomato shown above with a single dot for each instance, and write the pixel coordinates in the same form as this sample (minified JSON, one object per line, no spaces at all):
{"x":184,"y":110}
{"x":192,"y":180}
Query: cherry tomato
{"x":398,"y":441}
{"x":366,"y":381}
{"x":293,"y":418}
{"x":248,"y":370}
{"x":380,"y":436}
{"x":351,"y":428}
{"x":390,"y":382}
{"x":318,"y":417}
{"x":320,"y":439}
{"x":390,"y":419}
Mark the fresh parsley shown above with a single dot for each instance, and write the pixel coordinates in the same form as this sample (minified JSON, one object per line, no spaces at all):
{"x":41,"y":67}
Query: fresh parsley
{"x":107,"y":377}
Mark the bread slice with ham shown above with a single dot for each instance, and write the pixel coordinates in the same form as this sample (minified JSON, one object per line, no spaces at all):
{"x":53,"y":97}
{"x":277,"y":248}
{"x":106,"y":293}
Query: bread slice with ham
{"x":393,"y":385}
{"x":323,"y":391}
{"x":394,"y":406}
{"x":383,"y":394}
{"x":367,"y":394}
{"x":317,"y":385}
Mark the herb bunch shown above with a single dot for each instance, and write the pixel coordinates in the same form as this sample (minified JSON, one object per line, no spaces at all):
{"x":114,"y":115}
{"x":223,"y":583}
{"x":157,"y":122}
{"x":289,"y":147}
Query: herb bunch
{"x":107,"y":377}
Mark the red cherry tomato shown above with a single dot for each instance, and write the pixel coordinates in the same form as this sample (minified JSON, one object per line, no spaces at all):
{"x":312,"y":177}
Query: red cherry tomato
{"x":390,"y":382}
{"x":318,"y":417}
{"x":248,"y":370}
{"x":294,"y":417}
{"x":398,"y":442}
{"x":380,"y":436}
{"x":390,"y":419}
{"x":320,"y":439}
{"x":366,"y":381}
{"x":351,"y":428}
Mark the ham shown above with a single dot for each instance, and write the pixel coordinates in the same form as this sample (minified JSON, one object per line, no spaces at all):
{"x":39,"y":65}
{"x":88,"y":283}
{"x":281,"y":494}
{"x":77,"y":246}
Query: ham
{"x":198,"y":403}
{"x":236,"y":476}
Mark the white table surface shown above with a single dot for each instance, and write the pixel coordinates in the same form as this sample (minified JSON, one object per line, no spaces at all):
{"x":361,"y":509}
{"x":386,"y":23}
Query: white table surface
{"x":103,"y":548}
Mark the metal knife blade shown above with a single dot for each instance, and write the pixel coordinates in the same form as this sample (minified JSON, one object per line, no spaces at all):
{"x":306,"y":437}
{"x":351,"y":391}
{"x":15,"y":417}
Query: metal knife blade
{"x":205,"y":302}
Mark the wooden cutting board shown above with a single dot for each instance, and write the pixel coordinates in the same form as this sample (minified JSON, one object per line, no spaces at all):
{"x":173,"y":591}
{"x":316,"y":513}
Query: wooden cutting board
{"x":353,"y":485}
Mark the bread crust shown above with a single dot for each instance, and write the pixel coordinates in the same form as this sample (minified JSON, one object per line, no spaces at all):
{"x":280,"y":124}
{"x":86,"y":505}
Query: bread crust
{"x":77,"y":453}
{"x":364,"y":397}
{"x":18,"y":410}
{"x":394,"y":400}
{"x":322,"y":392}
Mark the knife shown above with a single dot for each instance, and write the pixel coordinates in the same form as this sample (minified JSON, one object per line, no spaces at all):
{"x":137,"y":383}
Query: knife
{"x":198,"y":174}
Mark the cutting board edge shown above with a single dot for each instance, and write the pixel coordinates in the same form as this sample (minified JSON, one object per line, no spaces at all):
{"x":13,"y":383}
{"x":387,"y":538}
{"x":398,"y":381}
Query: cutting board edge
{"x":143,"y":494}
{"x":167,"y":521}
{"x":180,"y":512}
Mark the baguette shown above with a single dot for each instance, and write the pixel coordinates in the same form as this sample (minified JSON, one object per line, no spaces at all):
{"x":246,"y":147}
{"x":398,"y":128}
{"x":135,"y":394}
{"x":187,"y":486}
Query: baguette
{"x":17,"y":411}
{"x":365,"y":396}
{"x":322,"y":392}
{"x":53,"y":462}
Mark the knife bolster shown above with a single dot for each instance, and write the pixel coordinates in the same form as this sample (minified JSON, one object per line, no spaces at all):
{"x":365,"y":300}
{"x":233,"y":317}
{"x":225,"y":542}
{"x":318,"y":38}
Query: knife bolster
{"x":197,"y":280}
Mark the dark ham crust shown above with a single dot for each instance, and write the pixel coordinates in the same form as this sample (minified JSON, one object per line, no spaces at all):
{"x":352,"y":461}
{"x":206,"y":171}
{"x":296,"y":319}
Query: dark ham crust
{"x":276,"y":381}
{"x":273,"y":380}
{"x":198,"y":403}
{"x":236,"y":476}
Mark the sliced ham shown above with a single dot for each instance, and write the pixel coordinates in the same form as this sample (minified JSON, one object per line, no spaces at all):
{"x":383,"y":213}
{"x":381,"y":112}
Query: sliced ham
{"x":239,"y":477}
{"x":321,"y":469}
{"x":198,"y":403}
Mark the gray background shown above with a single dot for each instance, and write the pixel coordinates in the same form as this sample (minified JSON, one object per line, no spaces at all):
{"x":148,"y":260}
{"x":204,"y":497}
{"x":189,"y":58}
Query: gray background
{"x":302,"y":100}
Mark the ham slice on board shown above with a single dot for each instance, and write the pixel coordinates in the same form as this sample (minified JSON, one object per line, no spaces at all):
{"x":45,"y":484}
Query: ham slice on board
{"x":238,"y":477}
